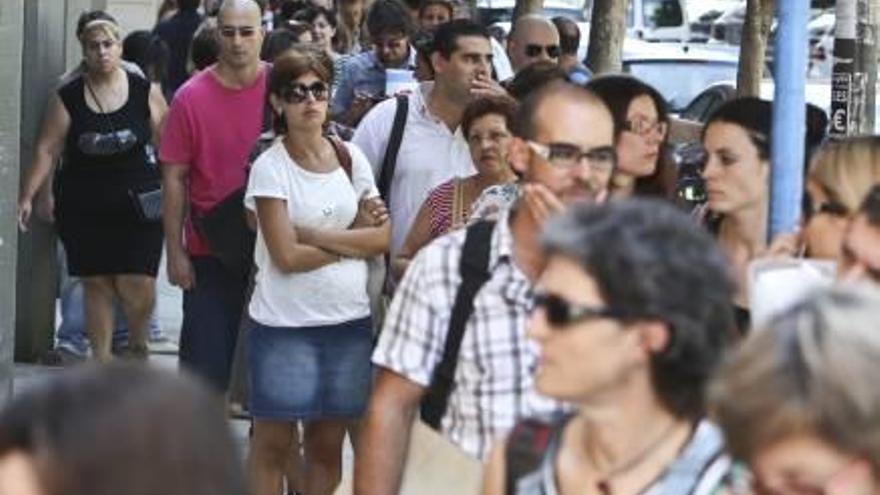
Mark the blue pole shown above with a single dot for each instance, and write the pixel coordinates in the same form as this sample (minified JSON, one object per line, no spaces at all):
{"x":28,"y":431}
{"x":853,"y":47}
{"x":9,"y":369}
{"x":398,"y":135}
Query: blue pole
{"x":789,"y":115}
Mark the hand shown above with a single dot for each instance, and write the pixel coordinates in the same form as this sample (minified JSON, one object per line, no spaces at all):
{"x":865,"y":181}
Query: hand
{"x":487,"y":87}
{"x":24,"y":213}
{"x":785,"y":245}
{"x":372,"y":212}
{"x":361,"y":104}
{"x":542,"y":203}
{"x":46,"y":207}
{"x":180,"y":269}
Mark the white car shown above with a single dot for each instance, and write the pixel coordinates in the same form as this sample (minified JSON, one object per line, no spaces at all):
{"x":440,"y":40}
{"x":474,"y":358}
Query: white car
{"x":657,"y":20}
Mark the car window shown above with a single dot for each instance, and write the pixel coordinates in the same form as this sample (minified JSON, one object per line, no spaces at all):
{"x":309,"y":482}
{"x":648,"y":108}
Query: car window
{"x":662,"y":13}
{"x":666,"y":76}
{"x":699,"y":109}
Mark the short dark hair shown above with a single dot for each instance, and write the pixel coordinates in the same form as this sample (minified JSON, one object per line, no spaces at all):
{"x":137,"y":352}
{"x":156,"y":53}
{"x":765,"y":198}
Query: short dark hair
{"x":529,"y":108}
{"x":443,"y":3}
{"x":293,"y":64}
{"x":870,"y":206}
{"x":148,"y":52}
{"x":124,"y":428}
{"x":282,"y":39}
{"x":618,"y":92}
{"x":489,"y":105}
{"x":90,"y":16}
{"x":388,"y":17}
{"x":311,"y":13}
{"x":569,"y":34}
{"x":205,"y":46}
{"x":535,"y":76}
{"x":652,"y":262}
{"x":447,"y":34}
{"x":752,"y":114}
{"x":188,"y":4}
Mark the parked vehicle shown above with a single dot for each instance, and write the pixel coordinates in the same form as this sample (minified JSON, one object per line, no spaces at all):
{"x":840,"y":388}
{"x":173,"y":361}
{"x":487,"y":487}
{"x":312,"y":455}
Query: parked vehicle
{"x":657,"y":20}
{"x":703,"y":13}
{"x":491,"y":12}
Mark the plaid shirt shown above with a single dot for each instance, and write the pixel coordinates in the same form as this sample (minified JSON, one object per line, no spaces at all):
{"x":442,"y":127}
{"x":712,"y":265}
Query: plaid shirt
{"x":494,"y":378}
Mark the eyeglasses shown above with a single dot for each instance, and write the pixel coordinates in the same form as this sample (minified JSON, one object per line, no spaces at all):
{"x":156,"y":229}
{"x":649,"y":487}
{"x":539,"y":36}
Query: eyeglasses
{"x":561,"y":313}
{"x":643,"y":127}
{"x":298,"y":93}
{"x":243,"y":31}
{"x":535,"y":50}
{"x":564,"y":155}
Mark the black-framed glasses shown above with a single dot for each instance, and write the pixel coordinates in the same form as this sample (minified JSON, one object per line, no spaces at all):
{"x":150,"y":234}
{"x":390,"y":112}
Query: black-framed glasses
{"x":562,"y":313}
{"x":298,"y":93}
{"x":566,"y":155}
{"x":535,"y":50}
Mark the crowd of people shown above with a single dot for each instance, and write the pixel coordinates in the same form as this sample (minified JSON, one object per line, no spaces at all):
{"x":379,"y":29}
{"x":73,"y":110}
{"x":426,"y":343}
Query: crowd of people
{"x":501,"y":251}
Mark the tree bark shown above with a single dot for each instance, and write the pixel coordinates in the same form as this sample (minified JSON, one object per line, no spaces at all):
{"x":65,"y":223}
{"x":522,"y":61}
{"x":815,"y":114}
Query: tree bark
{"x":523,"y":7}
{"x":756,"y":30}
{"x":607,"y":30}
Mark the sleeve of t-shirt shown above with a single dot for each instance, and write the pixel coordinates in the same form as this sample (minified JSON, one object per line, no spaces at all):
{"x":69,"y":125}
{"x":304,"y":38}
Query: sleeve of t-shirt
{"x":371,"y":135}
{"x":344,"y":90}
{"x":361,"y":174}
{"x":176,"y":145}
{"x":265,"y":180}
{"x":412,"y":339}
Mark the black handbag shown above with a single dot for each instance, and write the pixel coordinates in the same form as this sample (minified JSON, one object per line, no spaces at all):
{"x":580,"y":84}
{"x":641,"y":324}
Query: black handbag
{"x":224,"y":227}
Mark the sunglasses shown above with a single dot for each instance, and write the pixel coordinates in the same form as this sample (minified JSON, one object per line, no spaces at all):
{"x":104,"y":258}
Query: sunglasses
{"x":298,"y":93}
{"x":534,"y":50}
{"x":561,"y":313}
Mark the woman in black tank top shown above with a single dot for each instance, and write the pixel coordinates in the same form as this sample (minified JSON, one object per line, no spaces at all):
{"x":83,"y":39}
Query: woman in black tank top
{"x":101,"y":123}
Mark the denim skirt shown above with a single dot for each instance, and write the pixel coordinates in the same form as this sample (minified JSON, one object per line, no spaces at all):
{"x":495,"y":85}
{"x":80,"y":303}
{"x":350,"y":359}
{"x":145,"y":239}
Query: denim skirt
{"x":306,"y":373}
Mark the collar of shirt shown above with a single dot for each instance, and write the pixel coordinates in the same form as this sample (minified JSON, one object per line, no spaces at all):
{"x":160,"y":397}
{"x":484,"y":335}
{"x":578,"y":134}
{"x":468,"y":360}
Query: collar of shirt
{"x":419,"y":100}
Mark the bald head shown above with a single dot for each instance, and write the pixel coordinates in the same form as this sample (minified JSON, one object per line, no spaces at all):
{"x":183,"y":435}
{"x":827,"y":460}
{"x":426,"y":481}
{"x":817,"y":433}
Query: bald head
{"x":240,"y":5}
{"x":532,"y":39}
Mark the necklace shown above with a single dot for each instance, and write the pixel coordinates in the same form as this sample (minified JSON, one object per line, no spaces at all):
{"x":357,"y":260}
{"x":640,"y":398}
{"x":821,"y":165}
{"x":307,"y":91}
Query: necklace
{"x":604,"y":483}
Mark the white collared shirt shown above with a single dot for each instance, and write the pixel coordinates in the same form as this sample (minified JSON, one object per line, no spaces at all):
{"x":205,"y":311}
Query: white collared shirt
{"x":430,"y":154}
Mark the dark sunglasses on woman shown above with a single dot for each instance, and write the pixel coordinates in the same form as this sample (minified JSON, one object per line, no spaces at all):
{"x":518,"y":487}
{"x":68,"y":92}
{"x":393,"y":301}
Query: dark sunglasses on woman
{"x":561,"y":313}
{"x":298,"y":93}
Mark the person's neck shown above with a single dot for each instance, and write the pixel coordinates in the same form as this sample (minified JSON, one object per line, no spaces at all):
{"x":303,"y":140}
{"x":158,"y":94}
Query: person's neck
{"x":566,"y":62}
{"x":631,"y":433}
{"x":526,"y":231}
{"x":237,"y":77}
{"x":102,"y":79}
{"x":304,"y":144}
{"x":746,"y":228}
{"x":622,"y":185}
{"x":445,"y":107}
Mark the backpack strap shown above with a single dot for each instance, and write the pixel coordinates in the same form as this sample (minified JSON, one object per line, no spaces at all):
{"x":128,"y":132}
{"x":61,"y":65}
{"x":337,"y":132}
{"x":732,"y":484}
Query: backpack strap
{"x":474,"y":270}
{"x":342,"y":155}
{"x":524,"y":453}
{"x":389,"y":162}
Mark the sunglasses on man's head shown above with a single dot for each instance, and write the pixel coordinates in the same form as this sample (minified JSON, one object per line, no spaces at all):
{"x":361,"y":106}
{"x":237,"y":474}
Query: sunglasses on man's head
{"x":298,"y":93}
{"x":534,"y":50}
{"x":561,"y":313}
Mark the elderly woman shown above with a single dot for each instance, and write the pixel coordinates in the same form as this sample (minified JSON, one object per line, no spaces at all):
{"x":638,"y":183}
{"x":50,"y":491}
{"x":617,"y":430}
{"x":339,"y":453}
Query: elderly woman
{"x":310,"y":340}
{"x":641,"y":123}
{"x":840,"y":176}
{"x":799,"y":401}
{"x":632,"y":315}
{"x":487,"y":125}
{"x":103,"y":120}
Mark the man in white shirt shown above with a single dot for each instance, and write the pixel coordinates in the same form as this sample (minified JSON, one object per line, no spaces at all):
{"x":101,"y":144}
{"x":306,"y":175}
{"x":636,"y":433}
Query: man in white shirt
{"x":432,"y":149}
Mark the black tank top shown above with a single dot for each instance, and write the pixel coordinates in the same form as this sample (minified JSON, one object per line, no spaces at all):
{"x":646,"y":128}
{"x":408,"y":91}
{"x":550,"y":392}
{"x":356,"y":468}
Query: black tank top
{"x":115,"y":143}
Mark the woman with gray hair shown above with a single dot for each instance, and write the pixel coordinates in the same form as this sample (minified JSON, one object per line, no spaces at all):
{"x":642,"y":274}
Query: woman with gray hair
{"x":799,"y":400}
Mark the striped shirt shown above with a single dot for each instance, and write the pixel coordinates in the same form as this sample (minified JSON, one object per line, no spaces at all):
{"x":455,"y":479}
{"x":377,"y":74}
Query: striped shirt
{"x":494,"y":385}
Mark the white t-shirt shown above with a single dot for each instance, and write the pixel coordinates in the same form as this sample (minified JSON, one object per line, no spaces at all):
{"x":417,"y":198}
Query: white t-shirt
{"x":430,"y":154}
{"x":331,"y":294}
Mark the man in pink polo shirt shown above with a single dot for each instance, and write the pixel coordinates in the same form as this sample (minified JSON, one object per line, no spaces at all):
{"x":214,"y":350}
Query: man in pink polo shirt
{"x":213,"y":123}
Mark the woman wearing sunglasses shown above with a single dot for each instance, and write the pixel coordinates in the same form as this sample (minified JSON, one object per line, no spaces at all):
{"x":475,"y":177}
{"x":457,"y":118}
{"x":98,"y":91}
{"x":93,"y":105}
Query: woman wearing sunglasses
{"x":310,"y":340}
{"x":641,"y":122}
{"x":632,"y":315}
{"x":799,"y":403}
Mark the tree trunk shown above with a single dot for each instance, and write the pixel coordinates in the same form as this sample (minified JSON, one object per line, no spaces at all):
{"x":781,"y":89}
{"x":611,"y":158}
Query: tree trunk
{"x":753,"y":46}
{"x":607,"y":30}
{"x":523,"y":7}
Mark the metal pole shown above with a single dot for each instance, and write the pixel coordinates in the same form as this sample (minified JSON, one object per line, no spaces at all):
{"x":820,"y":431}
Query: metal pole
{"x":865,"y":77}
{"x":842,"y":115}
{"x":789,"y":115}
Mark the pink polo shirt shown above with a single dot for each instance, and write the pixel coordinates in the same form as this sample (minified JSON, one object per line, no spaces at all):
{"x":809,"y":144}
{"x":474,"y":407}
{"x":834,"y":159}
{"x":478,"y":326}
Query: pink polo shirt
{"x":212,"y":129}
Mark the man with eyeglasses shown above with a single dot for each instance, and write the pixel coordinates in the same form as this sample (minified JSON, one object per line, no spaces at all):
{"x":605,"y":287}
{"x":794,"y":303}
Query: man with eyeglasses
{"x":362,"y":83}
{"x":564,"y":153}
{"x":532,"y":39}
{"x":213,"y":123}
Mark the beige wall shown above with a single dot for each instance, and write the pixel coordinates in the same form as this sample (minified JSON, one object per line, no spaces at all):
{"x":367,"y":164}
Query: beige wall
{"x":134,"y":14}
